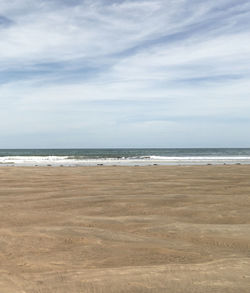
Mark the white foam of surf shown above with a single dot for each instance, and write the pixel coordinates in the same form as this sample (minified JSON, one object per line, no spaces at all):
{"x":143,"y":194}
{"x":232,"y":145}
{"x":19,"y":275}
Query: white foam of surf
{"x":202,"y":158}
{"x":161,"y":160}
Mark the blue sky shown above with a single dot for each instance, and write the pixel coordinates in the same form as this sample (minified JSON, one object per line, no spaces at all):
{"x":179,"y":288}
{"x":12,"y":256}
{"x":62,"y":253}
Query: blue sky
{"x":162,"y":73}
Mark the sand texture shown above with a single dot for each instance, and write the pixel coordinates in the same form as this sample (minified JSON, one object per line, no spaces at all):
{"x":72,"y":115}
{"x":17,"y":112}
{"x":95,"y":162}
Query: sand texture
{"x":125,"y":229}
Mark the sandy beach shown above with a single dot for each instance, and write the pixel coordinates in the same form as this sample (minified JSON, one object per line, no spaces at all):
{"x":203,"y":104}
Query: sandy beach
{"x":125,"y":229}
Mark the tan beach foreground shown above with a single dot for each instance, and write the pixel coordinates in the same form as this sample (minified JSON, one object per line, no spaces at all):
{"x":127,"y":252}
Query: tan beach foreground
{"x":125,"y":229}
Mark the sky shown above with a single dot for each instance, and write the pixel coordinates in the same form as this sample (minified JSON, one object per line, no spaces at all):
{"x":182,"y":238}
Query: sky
{"x":113,"y":73}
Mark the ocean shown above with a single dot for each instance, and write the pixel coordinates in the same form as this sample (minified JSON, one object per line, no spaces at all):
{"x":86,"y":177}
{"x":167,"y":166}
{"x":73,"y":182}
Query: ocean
{"x":124,"y":156}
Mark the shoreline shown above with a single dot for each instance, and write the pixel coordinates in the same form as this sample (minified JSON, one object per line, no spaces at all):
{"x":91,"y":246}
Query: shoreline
{"x":123,"y":165}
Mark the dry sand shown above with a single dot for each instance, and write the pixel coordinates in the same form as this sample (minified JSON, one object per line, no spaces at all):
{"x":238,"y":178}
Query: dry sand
{"x":125,"y":229}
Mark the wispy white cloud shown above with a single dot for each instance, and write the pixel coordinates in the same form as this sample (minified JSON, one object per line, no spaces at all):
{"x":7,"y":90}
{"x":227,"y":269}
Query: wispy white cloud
{"x":143,"y":69}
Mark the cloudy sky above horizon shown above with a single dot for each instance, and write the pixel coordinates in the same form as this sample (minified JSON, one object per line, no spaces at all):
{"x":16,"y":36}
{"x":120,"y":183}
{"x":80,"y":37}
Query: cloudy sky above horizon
{"x":106,"y":73}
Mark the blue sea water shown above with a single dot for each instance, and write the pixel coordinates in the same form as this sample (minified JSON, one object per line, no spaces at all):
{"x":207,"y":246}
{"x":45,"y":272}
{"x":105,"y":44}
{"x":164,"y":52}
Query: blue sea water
{"x":119,"y":156}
